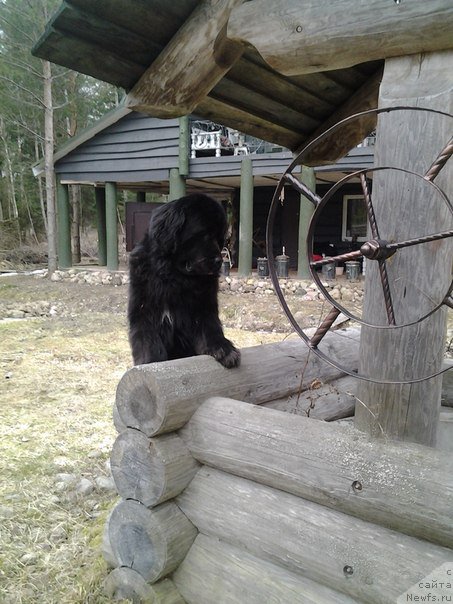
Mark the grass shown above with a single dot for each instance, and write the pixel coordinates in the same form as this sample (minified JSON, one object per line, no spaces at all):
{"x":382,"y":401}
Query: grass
{"x":59,"y":376}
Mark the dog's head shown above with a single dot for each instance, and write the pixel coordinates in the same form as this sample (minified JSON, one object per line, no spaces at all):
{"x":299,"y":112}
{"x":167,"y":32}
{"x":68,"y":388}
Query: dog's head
{"x":190,"y":232}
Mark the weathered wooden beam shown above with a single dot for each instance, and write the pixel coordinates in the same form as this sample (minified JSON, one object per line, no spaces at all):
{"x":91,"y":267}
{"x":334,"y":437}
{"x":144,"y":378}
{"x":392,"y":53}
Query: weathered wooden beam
{"x":347,"y":554}
{"x":405,"y":206}
{"x":127,"y":584}
{"x":161,"y":397}
{"x":152,"y":542}
{"x":215,"y":571}
{"x":303,"y":37}
{"x":341,"y":141}
{"x":195,"y":59}
{"x":407,"y":488}
{"x":151,"y":470}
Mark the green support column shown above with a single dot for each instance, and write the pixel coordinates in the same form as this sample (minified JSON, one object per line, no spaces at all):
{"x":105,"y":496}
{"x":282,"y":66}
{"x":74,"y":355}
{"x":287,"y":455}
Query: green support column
{"x":246,"y":218}
{"x":177,"y":185}
{"x":184,"y":145}
{"x":307,"y":176}
{"x":64,"y":226}
{"x":99,"y":194}
{"x":111,"y":224}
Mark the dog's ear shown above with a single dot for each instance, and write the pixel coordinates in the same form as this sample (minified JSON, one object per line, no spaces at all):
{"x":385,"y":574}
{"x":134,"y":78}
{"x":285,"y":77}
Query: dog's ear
{"x":165,"y":228}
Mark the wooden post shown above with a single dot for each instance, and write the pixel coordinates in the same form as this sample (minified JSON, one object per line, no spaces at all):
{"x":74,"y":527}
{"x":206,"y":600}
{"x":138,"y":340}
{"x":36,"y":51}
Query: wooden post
{"x":246,"y":218}
{"x":408,"y":207}
{"x":306,"y":210}
{"x":111,"y":224}
{"x":99,"y":193}
{"x":177,"y":185}
{"x":64,"y":226}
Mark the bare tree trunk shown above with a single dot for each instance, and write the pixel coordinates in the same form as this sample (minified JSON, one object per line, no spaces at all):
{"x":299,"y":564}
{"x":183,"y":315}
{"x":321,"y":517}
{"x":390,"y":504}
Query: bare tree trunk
{"x":49,"y":169}
{"x":76,"y":198}
{"x":13,"y":214}
{"x":38,"y":155}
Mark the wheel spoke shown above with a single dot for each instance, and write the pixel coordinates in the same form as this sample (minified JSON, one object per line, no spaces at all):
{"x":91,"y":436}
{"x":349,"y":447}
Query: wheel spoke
{"x":302,"y":189}
{"x":341,"y":258}
{"x":369,"y":207}
{"x":427,"y":239}
{"x":440,"y":161}
{"x":324,"y":327}
{"x":387,"y":294}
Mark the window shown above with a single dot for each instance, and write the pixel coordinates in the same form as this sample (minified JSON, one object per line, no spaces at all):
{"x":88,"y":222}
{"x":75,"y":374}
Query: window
{"x":354,"y":218}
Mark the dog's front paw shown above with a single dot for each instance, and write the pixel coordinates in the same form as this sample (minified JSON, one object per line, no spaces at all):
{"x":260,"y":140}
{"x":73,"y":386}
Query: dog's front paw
{"x":227,"y":355}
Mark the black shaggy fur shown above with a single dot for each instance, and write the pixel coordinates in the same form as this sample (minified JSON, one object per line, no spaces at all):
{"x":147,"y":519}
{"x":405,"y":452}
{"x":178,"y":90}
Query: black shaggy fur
{"x":173,"y":310}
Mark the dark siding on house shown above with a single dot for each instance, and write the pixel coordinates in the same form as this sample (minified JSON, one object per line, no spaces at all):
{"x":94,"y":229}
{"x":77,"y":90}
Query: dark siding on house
{"x":230,"y":165}
{"x":138,"y":148}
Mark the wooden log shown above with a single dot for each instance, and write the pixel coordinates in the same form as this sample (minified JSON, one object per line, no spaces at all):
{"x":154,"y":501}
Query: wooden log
{"x":151,"y":541}
{"x":363,"y":560}
{"x":407,"y":488}
{"x":215,"y":571}
{"x":106,"y":546}
{"x":161,"y":397}
{"x":191,"y":64}
{"x":151,"y":470}
{"x":329,"y":402}
{"x":307,"y":37}
{"x":127,"y":584}
{"x":419,"y":277}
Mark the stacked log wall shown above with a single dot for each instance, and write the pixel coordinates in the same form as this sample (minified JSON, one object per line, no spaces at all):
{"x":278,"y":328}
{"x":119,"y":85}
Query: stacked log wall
{"x":221,"y":497}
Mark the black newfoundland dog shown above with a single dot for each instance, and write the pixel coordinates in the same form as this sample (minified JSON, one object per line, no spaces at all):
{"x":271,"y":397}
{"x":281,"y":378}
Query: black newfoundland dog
{"x":174,"y":275}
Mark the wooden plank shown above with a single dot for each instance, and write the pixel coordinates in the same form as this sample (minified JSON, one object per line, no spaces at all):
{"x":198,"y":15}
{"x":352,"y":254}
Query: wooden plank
{"x":360,"y":559}
{"x":408,"y":207}
{"x":161,"y":397}
{"x":151,"y":470}
{"x":295,"y":37}
{"x":215,"y":571}
{"x":152,"y":542}
{"x":191,"y":64}
{"x":407,"y":488}
{"x":127,"y":584}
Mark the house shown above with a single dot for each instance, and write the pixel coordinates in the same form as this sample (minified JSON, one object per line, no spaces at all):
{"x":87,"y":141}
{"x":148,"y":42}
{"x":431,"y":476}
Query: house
{"x":127,"y":150}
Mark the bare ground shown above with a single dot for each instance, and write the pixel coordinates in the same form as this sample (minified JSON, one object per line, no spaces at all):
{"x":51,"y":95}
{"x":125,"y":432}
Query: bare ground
{"x":59,"y":367}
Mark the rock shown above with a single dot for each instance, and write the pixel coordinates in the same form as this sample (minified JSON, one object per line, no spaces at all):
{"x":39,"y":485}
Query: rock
{"x":84,"y":487}
{"x":58,"y":534}
{"x":105,"y":483}
{"x":65,"y":478}
{"x":29,"y":559}
{"x":6,"y":512}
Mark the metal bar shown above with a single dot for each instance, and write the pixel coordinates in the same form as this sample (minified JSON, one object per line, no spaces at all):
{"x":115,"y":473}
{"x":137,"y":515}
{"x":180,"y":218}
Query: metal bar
{"x":341,"y":258}
{"x":440,"y":161}
{"x":427,"y":239}
{"x":369,"y":207}
{"x":387,"y":294}
{"x":324,"y":327}
{"x":302,"y":189}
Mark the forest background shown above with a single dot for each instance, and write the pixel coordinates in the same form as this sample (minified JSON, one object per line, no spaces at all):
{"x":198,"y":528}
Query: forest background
{"x":41,"y":106}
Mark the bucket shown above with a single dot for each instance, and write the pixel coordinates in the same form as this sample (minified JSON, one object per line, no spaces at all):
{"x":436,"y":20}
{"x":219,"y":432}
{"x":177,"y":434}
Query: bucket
{"x":225,"y":268}
{"x":328,"y":271}
{"x":352,"y":270}
{"x":282,"y":263}
{"x":262,"y":267}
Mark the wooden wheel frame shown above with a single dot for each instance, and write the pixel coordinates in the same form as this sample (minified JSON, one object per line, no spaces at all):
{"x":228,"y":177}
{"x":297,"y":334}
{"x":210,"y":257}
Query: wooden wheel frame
{"x":375,"y":249}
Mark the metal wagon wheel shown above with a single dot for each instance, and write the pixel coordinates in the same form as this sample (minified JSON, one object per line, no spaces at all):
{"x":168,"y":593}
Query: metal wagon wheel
{"x":375,"y":249}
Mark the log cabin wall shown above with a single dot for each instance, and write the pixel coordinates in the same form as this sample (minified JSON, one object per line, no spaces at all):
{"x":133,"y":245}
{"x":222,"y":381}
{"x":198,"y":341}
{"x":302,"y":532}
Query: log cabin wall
{"x":219,"y":493}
